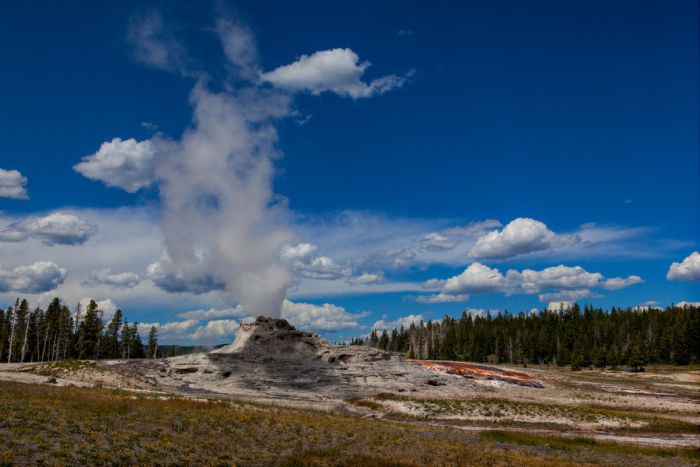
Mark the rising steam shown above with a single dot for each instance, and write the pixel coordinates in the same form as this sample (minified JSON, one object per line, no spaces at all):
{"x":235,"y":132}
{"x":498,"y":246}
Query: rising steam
{"x":224,"y":227}
{"x":222,"y":223}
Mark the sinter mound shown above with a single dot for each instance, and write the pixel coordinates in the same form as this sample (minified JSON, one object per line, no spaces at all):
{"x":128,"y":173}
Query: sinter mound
{"x":270,"y":358}
{"x":272,"y":337}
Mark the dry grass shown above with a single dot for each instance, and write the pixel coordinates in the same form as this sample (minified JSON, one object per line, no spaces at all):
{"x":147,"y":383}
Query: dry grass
{"x":571,"y":444}
{"x":503,"y":411}
{"x":66,"y":425}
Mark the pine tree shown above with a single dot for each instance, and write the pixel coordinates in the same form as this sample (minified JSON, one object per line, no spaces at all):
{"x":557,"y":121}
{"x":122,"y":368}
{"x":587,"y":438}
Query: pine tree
{"x":112,"y":337}
{"x":153,"y":342}
{"x":88,"y":332}
{"x":636,"y":360}
{"x":384,"y":340}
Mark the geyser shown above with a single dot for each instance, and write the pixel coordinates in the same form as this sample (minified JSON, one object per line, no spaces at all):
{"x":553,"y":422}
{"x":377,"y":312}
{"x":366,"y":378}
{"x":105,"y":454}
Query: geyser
{"x":223,"y":225}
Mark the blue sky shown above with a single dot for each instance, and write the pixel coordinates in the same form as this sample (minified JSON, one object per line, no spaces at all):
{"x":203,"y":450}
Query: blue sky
{"x":564,"y":134}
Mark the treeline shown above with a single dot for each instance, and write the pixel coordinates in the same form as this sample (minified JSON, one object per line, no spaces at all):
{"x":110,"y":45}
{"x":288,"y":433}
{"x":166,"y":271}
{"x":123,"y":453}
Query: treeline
{"x":580,"y":338}
{"x":56,"y":334}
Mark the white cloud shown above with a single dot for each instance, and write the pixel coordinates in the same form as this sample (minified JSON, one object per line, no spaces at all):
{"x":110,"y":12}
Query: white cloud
{"x":335,"y":70}
{"x":563,"y":283}
{"x":325,"y":317}
{"x":192,"y":278}
{"x":435,"y":241}
{"x":433,"y":284}
{"x":239,"y":47}
{"x":216,"y":330}
{"x":149,"y":126}
{"x":688,"y":270}
{"x":300,"y":259}
{"x":106,"y":306}
{"x":481,"y":312}
{"x":323,"y":267}
{"x":557,"y":277}
{"x":177,"y":327}
{"x":648,"y":305}
{"x":559,"y":306}
{"x":615,"y":283}
{"x":684,"y":304}
{"x":153,"y":45}
{"x":124,"y":280}
{"x":473,"y":229}
{"x":214,"y":313}
{"x":129,"y":239}
{"x":566,"y":295}
{"x":442,"y":298}
{"x":127,"y":164}
{"x":477,"y":278}
{"x":57,"y":228}
{"x":298,"y":252}
{"x":404,"y":321}
{"x":521,"y":236}
{"x":12,"y":184}
{"x":367,"y":278}
{"x":38,"y":277}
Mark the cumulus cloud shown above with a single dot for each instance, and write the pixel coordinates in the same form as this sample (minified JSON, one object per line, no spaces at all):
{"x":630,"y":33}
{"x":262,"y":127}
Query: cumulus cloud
{"x":684,"y":304}
{"x":396,"y":257}
{"x":185,"y":278}
{"x":106,"y":306}
{"x":559,"y":306}
{"x":298,"y":252}
{"x":367,"y":278}
{"x":301,"y":260}
{"x":521,"y":236}
{"x":481,"y":312}
{"x":557,"y":277}
{"x":473,"y":229}
{"x":335,"y":70}
{"x":326,"y":317}
{"x":615,"y":283}
{"x":433,"y":284}
{"x":404,"y":321}
{"x":126,"y":164}
{"x":442,"y":298}
{"x":648,"y":305}
{"x":38,"y":277}
{"x":124,"y":280}
{"x":688,"y":270}
{"x":177,"y":327}
{"x":561,"y":283}
{"x":477,"y":278}
{"x":214,"y":313}
{"x":13,"y":184}
{"x":216,"y":330}
{"x":435,"y":241}
{"x":566,"y":295}
{"x":323,"y":267}
{"x":57,"y":228}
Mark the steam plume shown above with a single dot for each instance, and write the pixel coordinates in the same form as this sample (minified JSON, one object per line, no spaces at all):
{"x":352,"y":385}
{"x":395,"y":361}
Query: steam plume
{"x":221,"y":218}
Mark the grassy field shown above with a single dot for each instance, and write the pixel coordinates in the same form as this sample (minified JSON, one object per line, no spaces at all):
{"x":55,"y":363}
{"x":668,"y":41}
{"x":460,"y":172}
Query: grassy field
{"x":495,"y":411}
{"x":67,"y":425}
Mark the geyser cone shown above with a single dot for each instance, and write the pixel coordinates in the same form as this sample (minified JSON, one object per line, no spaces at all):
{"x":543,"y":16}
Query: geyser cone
{"x":273,"y":337}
